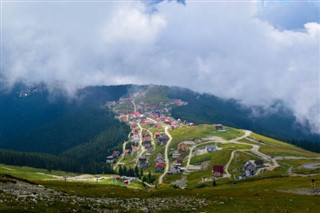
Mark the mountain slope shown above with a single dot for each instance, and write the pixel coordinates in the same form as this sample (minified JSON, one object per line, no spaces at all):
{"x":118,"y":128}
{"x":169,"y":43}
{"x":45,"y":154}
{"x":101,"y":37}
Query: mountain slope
{"x":64,"y":133}
{"x":40,"y":122}
{"x":205,"y":108}
{"x":25,"y":108}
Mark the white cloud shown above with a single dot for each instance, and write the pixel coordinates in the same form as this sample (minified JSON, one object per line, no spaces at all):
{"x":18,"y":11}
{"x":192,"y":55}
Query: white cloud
{"x":220,"y":48}
{"x":131,"y":24}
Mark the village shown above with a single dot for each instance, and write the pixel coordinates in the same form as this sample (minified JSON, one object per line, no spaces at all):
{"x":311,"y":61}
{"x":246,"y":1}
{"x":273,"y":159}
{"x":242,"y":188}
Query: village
{"x":148,"y":145}
{"x":149,"y":125}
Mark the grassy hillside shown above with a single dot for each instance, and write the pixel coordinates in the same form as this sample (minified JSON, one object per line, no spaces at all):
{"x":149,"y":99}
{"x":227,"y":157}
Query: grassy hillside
{"x":275,"y":147}
{"x":287,"y":194}
{"x":33,"y":174}
{"x":291,"y":159}
{"x":282,"y":187}
{"x":156,"y":94}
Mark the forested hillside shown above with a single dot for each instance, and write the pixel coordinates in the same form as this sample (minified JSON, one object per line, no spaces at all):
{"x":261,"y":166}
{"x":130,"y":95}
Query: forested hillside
{"x":65,"y":133}
{"x":24,"y":108}
{"x":103,"y":145}
{"x":77,"y":133}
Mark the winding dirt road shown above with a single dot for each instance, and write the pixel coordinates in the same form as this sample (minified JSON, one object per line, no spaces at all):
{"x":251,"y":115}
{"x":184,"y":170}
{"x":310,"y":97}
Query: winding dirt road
{"x":141,"y":148}
{"x":192,"y":148}
{"x":255,"y":150}
{"x":166,"y":156}
{"x":122,"y":155}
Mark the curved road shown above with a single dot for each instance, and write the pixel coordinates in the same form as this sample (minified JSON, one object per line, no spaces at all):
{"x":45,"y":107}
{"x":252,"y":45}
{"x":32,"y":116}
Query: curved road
{"x":122,"y":156}
{"x":134,"y":104}
{"x":192,"y":148}
{"x":246,"y":134}
{"x":166,"y":155}
{"x":152,"y":138}
{"x":255,"y":150}
{"x":230,"y":160}
{"x":140,"y":147}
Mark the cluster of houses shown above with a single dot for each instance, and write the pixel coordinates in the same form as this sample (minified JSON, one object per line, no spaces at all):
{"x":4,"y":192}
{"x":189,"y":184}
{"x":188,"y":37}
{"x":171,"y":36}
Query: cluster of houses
{"x":161,"y":139}
{"x":148,"y":116}
{"x":176,"y":166}
{"x":178,"y":102}
{"x":124,"y":179}
{"x":160,"y":163}
{"x":143,"y":162}
{"x":150,"y":123}
{"x":136,"y":115}
{"x":250,"y":167}
{"x":135,"y":137}
{"x":113,"y":158}
{"x":166,"y":119}
{"x":125,"y":103}
{"x":176,"y":169}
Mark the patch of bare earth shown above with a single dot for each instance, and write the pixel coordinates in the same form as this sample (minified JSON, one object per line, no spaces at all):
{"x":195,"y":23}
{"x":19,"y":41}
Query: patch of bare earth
{"x":303,"y":191}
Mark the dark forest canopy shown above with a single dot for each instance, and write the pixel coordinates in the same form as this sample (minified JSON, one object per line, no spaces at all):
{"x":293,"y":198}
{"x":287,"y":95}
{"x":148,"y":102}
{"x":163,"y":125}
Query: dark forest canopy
{"x":76,"y":134}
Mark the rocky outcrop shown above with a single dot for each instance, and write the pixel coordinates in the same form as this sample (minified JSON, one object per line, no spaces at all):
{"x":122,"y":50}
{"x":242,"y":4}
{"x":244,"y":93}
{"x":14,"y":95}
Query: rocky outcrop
{"x":17,"y":191}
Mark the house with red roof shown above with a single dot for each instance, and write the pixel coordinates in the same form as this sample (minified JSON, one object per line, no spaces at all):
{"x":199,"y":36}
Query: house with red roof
{"x":134,"y":149}
{"x":127,"y":151}
{"x":146,"y":139}
{"x":157,"y":135}
{"x":218,"y":171}
{"x":159,"y":167}
{"x":116,"y":154}
{"x":155,"y":115}
{"x":133,"y":125}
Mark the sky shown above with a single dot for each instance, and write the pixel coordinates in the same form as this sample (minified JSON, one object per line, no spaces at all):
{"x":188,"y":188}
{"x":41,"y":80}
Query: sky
{"x":257,"y":52}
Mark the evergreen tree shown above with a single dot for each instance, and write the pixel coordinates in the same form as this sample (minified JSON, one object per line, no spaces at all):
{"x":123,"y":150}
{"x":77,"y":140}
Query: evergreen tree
{"x":125,"y":171}
{"x":120,"y":171}
{"x":131,"y":172}
{"x":149,"y":177}
{"x":214,"y":182}
{"x":144,"y":179}
{"x":136,"y":171}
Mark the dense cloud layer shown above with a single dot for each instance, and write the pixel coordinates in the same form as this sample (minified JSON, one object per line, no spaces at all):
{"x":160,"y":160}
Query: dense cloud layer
{"x":228,"y":49}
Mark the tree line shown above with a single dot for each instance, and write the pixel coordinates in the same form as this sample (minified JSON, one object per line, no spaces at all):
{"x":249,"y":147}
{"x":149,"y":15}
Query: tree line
{"x":136,"y":172}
